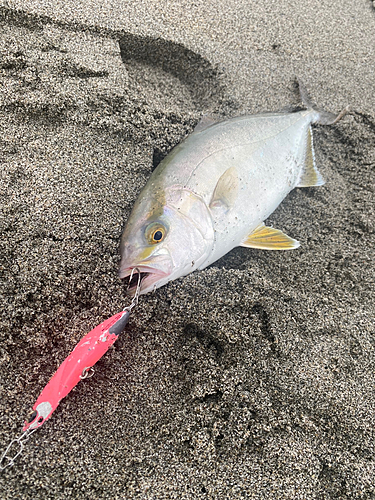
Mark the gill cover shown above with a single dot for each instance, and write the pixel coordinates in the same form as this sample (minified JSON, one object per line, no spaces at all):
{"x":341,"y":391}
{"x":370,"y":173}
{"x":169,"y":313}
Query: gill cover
{"x":169,"y":234}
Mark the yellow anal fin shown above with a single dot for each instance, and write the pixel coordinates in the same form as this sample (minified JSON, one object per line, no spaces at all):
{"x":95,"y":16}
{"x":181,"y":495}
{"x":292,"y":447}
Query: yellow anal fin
{"x":268,"y":238}
{"x":310,"y":175}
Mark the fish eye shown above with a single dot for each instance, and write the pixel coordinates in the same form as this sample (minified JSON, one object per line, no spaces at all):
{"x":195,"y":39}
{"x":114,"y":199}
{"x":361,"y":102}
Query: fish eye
{"x":155,"y":233}
{"x":158,"y":235}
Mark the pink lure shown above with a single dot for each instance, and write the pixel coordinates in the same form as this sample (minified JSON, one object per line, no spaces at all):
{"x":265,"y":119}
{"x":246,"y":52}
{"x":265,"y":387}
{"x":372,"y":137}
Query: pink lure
{"x":89,"y":350}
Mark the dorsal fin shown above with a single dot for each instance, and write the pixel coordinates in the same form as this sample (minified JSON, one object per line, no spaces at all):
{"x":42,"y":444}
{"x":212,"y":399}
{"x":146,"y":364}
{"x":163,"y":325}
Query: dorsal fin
{"x":205,"y":122}
{"x":310,"y":175}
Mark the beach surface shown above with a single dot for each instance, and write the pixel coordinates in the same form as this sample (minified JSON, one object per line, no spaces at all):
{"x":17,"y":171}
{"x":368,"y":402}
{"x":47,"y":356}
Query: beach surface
{"x":252,"y":379}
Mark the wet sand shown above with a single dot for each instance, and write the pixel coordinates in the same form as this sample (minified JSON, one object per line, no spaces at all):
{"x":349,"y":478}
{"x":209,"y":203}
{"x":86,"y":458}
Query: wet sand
{"x":251,"y":379}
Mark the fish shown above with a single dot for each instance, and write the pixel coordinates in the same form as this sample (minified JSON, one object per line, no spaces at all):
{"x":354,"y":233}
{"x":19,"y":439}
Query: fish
{"x":216,"y":188}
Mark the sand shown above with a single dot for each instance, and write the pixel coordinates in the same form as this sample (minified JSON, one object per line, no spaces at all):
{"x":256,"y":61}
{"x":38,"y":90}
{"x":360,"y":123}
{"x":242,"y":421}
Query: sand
{"x":251,"y":379}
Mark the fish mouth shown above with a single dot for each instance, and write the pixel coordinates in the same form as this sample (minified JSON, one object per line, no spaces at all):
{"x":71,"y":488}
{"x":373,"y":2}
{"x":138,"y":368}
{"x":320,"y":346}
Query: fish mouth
{"x":148,"y":277}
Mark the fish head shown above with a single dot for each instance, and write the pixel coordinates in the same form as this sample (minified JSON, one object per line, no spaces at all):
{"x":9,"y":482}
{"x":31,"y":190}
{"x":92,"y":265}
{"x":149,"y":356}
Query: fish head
{"x":169,"y":234}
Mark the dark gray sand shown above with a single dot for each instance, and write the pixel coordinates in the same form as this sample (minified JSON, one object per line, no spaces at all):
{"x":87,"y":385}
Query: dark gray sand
{"x":251,"y":379}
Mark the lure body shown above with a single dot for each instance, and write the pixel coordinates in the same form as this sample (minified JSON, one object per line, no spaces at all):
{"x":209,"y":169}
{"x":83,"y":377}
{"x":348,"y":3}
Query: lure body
{"x":86,"y":353}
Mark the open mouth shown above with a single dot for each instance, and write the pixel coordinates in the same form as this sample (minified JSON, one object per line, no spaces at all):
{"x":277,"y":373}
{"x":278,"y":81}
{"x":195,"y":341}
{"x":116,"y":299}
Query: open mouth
{"x":137,"y":278}
{"x":146,"y":276}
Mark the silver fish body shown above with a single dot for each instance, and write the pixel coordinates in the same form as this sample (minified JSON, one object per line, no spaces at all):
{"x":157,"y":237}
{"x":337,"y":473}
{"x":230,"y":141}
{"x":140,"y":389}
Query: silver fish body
{"x":215,"y":189}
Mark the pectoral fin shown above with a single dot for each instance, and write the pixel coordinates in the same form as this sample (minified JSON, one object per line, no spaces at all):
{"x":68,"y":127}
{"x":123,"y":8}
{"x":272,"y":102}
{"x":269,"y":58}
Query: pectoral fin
{"x":226,"y":191}
{"x":310,"y":175}
{"x":268,"y":238}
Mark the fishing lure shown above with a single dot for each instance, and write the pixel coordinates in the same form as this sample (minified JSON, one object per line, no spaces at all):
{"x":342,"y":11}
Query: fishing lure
{"x":77,"y":366}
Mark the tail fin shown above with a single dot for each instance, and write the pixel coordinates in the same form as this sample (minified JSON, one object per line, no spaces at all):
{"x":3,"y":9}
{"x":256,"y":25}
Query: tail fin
{"x":323,"y":117}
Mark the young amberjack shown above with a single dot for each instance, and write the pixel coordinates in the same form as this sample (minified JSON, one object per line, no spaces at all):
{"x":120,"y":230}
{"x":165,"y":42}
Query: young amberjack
{"x":214,"y":190}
